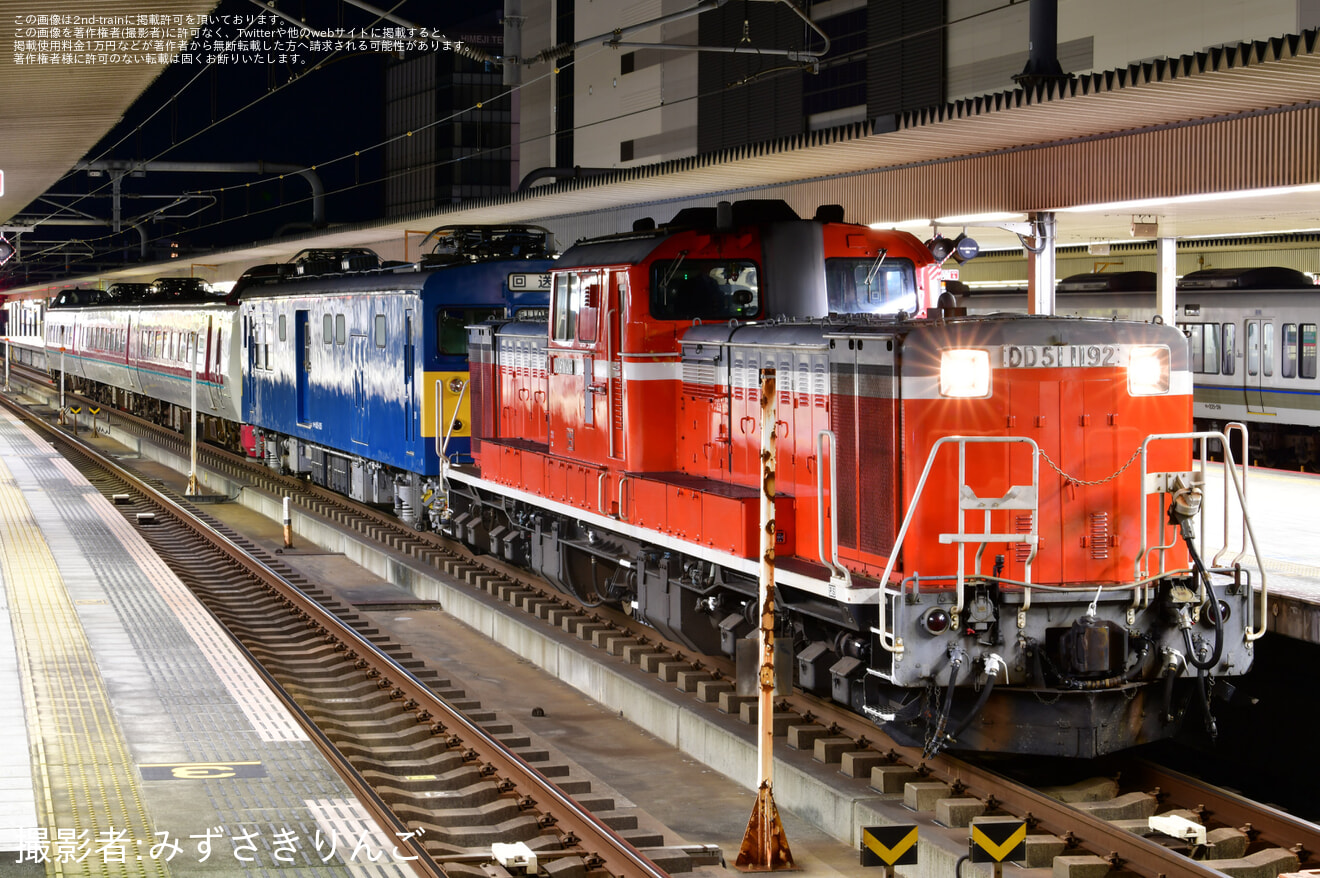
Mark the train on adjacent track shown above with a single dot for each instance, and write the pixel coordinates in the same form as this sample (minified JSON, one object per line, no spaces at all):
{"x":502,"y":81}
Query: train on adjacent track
{"x":1253,"y":339}
{"x":980,"y":542}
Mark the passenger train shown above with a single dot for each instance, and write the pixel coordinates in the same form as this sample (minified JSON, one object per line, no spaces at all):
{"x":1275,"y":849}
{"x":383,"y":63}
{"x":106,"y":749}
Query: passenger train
{"x":333,"y":365}
{"x":1252,"y":334}
{"x":978,"y":541}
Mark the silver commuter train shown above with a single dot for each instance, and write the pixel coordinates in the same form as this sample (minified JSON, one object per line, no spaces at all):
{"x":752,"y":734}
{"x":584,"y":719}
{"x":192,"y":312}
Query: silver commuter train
{"x":142,"y":340}
{"x":1252,"y":334}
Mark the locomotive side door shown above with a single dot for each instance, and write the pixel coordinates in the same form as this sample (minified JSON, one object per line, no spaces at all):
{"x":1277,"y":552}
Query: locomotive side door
{"x":614,"y":320}
{"x":409,"y":387}
{"x":204,"y":341}
{"x":1259,"y":356}
{"x":302,"y":343}
{"x":359,"y":388}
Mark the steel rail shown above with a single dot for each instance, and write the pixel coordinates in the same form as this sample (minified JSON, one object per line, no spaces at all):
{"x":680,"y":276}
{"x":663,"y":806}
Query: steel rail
{"x":423,"y":864}
{"x":1262,"y":823}
{"x":601,"y":847}
{"x":1138,"y":855}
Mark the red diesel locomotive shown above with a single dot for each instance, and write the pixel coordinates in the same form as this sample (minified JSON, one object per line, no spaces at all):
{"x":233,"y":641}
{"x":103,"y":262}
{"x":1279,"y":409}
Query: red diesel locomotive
{"x":984,"y":527}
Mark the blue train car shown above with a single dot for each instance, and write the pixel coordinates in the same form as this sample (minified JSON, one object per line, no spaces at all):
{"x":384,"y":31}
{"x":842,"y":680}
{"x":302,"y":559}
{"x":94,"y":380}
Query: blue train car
{"x":360,"y":380}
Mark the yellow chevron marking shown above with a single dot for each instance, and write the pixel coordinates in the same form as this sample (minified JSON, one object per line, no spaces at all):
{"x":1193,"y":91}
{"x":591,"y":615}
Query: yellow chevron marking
{"x":996,"y":850}
{"x":890,"y":854}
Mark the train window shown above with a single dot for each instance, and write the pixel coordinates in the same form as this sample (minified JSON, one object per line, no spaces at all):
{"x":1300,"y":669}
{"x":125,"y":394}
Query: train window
{"x":1267,"y":348}
{"x":870,"y":285}
{"x":451,"y":328}
{"x":588,"y":308}
{"x":328,"y":329}
{"x":380,"y":330}
{"x":284,"y":327}
{"x":341,"y":331}
{"x":1252,"y":351}
{"x":567,"y":293}
{"x":704,"y":289}
{"x":1289,"y":353}
{"x":1228,"y":350}
{"x":1307,"y":369}
{"x":1203,"y":342}
{"x":1196,"y":344}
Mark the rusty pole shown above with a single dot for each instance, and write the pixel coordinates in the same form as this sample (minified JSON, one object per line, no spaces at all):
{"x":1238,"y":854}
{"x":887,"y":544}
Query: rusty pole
{"x":765,"y":846}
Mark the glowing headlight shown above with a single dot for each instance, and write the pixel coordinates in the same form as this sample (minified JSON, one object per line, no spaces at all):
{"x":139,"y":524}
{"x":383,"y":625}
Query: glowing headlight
{"x":964,"y":373}
{"x":1148,"y":371}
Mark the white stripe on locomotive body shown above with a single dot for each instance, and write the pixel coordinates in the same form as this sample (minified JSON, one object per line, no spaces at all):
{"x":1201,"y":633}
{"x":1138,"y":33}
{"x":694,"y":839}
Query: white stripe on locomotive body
{"x":634,"y":370}
{"x":750,"y":567}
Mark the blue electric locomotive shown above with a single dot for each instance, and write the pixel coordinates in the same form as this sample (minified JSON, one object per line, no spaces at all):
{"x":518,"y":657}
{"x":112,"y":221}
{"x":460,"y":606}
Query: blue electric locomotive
{"x":360,"y":380}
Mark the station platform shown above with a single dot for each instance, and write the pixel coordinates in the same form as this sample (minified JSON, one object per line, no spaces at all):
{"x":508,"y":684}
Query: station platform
{"x":1284,"y":523}
{"x":138,"y":740}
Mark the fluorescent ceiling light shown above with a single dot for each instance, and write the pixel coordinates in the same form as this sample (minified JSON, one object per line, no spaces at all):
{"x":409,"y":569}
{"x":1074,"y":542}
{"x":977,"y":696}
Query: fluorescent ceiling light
{"x":1142,"y":204}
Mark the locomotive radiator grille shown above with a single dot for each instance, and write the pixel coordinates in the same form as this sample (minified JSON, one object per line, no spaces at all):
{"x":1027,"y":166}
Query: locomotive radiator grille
{"x":876,"y":465}
{"x":843,"y":422}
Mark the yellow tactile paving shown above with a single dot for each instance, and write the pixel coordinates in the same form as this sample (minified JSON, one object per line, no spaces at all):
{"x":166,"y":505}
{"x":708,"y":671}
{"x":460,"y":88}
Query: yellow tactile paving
{"x":86,"y":779}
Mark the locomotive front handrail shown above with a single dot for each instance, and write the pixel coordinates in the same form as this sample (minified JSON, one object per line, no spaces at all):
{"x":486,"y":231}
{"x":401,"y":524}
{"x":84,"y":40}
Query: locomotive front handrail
{"x":1229,"y":429}
{"x":888,"y":640}
{"x":838,"y":571}
{"x":1231,"y":473}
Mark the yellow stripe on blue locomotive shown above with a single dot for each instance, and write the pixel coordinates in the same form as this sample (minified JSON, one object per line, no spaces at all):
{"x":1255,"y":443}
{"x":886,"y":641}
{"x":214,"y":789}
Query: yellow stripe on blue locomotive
{"x":453,"y":390}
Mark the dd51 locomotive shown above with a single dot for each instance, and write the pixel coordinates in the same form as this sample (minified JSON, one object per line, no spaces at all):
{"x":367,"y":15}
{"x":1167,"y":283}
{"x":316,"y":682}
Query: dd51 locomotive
{"x":985,"y":527}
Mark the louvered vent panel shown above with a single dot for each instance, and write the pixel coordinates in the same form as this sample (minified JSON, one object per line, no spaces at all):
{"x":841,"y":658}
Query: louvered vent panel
{"x":844,"y":424}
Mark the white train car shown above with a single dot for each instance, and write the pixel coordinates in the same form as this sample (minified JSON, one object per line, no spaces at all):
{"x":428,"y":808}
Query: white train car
{"x":145,"y":353}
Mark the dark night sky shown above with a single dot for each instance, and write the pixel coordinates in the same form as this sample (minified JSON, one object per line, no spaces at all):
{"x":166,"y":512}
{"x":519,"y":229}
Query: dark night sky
{"x":309,"y":117}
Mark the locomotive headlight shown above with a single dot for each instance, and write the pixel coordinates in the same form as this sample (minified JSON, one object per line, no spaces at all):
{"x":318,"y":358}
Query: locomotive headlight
{"x":1148,"y":371}
{"x":964,"y":373}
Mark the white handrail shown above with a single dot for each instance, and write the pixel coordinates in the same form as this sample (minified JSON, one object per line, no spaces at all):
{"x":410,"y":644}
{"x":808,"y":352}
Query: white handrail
{"x":888,"y":641}
{"x":442,"y":448}
{"x":838,"y":570}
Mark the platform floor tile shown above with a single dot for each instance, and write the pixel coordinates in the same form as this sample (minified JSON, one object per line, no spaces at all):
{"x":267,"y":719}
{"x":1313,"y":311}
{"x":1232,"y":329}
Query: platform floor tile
{"x":152,"y":747}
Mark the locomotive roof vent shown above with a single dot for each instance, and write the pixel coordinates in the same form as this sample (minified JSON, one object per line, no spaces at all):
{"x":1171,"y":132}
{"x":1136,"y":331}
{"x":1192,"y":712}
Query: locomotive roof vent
{"x":1261,"y":278}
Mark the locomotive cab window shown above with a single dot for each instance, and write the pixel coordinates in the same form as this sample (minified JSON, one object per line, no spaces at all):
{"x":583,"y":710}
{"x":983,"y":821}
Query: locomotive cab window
{"x":704,"y":289}
{"x":568,"y":301}
{"x":870,"y":285}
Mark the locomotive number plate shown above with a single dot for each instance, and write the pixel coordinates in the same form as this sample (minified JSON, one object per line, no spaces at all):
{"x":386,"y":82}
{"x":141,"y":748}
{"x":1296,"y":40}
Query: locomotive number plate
{"x":1068,"y":356}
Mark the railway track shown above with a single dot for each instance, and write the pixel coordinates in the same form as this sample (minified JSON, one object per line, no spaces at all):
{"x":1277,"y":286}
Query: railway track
{"x":409,"y":736}
{"x":1093,"y":825}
